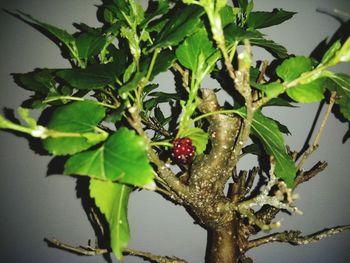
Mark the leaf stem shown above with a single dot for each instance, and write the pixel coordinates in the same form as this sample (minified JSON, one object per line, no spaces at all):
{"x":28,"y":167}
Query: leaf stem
{"x":51,"y":99}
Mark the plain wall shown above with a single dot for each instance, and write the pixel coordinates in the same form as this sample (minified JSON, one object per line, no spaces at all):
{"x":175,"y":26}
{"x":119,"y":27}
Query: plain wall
{"x":34,"y":206}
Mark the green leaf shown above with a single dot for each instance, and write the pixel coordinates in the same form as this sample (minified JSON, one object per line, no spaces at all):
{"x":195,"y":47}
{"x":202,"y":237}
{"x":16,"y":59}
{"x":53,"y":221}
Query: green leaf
{"x":40,"y":80}
{"x":24,"y":113}
{"x":198,"y":136}
{"x":122,"y":158}
{"x":112,"y":200}
{"x":89,"y":45}
{"x":266,"y":19}
{"x":92,"y":77}
{"x":79,"y":117}
{"x":273,"y":89}
{"x":227,"y":16}
{"x":132,"y":84}
{"x":330,"y":53}
{"x":269,"y":45}
{"x":60,"y":34}
{"x":159,"y":97}
{"x":164,"y":61}
{"x":341,"y":84}
{"x":234,"y":33}
{"x":162,"y":8}
{"x":292,"y":68}
{"x":183,"y":23}
{"x":268,"y":132}
{"x":190,"y":50}
{"x":343,"y":55}
{"x":309,"y":92}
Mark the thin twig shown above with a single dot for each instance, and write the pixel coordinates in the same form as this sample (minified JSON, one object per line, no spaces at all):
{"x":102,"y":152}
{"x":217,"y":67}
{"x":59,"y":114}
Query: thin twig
{"x":91,"y":251}
{"x":306,"y":176}
{"x":314,"y":145}
{"x":293,"y":237}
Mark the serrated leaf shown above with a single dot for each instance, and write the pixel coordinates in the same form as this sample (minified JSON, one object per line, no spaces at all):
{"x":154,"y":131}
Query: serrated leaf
{"x":292,"y":68}
{"x":309,"y":92}
{"x":79,"y":117}
{"x":60,"y":34}
{"x":122,"y":158}
{"x":183,"y":23}
{"x":268,"y":132}
{"x":266,"y":19}
{"x":341,"y":84}
{"x":234,"y":33}
{"x":188,"y":53}
{"x":92,"y":77}
{"x":89,"y":45}
{"x":40,"y":80}
{"x":274,"y":48}
{"x":112,"y":200}
{"x":198,"y":136}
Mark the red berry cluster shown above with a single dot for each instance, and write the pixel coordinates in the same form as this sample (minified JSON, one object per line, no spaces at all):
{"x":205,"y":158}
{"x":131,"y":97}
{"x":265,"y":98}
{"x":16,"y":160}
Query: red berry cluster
{"x":183,"y":150}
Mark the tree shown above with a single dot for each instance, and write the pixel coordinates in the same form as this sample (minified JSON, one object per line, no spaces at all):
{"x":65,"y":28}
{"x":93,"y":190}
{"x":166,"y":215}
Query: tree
{"x":56,"y":88}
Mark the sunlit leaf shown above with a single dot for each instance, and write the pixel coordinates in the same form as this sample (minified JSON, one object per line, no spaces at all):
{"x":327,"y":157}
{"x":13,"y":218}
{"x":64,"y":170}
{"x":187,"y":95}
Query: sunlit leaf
{"x":292,"y":68}
{"x":309,"y":92}
{"x":122,"y":158}
{"x":77,"y":118}
{"x":112,"y":200}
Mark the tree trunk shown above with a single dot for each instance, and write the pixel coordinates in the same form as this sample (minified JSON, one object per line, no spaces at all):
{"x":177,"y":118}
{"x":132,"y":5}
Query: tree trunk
{"x":223,"y":244}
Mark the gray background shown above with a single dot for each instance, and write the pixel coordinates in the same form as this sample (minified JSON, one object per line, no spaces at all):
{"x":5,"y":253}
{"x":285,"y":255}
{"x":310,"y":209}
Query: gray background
{"x":34,"y":206}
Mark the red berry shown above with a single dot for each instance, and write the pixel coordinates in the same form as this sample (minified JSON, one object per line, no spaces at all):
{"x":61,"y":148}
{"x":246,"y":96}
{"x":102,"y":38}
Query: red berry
{"x":183,"y":150}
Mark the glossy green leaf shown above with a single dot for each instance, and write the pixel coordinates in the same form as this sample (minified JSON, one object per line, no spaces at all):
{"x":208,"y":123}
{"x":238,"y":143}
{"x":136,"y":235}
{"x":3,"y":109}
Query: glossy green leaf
{"x":122,"y":158}
{"x":112,"y":200}
{"x":188,"y":53}
{"x":266,"y":19}
{"x":93,"y":77}
{"x":292,"y":68}
{"x":268,"y":132}
{"x":89,"y":44}
{"x":198,"y":136}
{"x":183,"y":23}
{"x":341,"y":84}
{"x":309,"y":92}
{"x":79,"y":117}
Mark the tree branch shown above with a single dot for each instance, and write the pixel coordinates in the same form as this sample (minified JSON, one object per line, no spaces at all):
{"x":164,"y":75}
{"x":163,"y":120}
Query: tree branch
{"x":314,"y":145}
{"x":92,"y":251}
{"x":293,"y":237}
